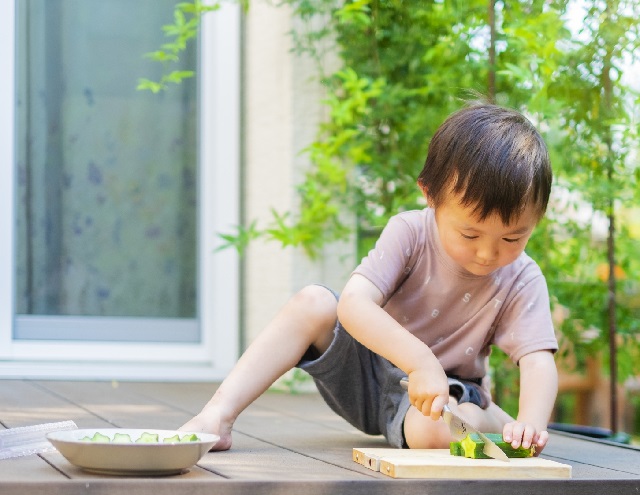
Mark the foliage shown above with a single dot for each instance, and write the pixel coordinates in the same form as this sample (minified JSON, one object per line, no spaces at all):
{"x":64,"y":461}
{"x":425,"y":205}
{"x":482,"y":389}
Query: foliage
{"x":388,"y":98}
{"x":186,"y":21}
{"x":599,"y":131}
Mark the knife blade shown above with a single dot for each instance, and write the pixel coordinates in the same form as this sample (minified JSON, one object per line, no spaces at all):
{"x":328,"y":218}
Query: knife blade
{"x":460,"y":428}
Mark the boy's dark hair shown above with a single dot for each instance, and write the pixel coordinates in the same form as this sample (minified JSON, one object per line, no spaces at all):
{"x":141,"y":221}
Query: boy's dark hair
{"x":493,"y":157}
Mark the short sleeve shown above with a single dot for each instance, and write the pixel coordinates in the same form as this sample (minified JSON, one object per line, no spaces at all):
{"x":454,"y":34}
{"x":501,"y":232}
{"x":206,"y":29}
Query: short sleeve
{"x":394,"y":255}
{"x":526,"y":325}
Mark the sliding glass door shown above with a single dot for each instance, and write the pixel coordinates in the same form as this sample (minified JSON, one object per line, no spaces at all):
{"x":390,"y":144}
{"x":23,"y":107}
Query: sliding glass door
{"x":116,"y":193}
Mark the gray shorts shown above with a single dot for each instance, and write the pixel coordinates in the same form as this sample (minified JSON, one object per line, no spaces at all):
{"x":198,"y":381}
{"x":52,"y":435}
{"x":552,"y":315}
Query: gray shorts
{"x":364,"y":388}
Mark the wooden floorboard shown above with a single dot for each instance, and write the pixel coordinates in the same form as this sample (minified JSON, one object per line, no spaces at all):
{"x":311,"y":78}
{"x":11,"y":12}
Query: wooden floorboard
{"x":593,"y":463}
{"x":282,"y":444}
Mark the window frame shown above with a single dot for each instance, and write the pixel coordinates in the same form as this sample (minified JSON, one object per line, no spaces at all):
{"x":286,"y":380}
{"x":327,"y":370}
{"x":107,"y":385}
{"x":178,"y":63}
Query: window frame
{"x":218,"y":284}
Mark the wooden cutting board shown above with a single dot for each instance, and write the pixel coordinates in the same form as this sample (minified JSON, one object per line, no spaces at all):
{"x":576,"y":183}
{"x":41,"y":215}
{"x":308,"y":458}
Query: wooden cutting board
{"x":439,"y":463}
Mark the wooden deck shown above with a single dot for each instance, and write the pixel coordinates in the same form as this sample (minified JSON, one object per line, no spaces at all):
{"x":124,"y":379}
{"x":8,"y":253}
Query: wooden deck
{"x":289,"y":444}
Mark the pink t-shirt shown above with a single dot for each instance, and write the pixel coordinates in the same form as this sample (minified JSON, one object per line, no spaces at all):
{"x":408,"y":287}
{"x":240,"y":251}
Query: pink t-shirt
{"x":457,"y":314}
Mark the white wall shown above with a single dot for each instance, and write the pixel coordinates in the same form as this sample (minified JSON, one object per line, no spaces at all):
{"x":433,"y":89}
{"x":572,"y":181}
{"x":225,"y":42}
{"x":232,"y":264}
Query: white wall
{"x":282,"y":110}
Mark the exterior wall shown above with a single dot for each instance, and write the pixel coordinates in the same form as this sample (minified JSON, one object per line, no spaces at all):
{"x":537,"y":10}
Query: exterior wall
{"x":282,"y":108}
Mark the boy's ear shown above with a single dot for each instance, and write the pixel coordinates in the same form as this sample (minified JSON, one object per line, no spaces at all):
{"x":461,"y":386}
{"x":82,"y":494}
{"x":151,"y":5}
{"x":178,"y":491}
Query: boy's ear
{"x":425,"y":192}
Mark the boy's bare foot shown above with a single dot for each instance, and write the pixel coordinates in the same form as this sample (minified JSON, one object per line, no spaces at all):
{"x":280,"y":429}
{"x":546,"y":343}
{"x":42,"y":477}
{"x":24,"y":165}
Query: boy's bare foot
{"x":209,"y":421}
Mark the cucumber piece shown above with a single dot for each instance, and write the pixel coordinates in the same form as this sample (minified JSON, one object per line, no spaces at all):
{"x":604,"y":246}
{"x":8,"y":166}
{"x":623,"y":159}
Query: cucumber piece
{"x":456,"y":449}
{"x":174,"y":439}
{"x":148,"y":438}
{"x":99,"y":437}
{"x":121,"y":438}
{"x":190,"y":438}
{"x":472,"y":446}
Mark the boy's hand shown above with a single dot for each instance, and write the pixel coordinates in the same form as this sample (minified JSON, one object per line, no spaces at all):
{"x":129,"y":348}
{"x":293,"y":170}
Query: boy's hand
{"x":525,"y":435}
{"x":429,"y":391}
{"x":538,"y":388}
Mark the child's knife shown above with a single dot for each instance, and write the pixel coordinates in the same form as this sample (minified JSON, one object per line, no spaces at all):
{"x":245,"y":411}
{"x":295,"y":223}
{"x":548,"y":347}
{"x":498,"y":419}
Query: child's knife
{"x":460,"y":428}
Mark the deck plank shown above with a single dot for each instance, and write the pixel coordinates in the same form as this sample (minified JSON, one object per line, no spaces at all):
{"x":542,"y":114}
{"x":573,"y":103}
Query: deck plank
{"x":70,"y":471}
{"x":24,"y":403}
{"x":594,"y":460}
{"x":28,"y":468}
{"x":118,"y":406}
{"x":283,"y":443}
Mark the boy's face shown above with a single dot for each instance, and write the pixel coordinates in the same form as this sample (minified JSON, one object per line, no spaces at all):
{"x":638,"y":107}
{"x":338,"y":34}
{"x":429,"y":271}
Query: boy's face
{"x":480,"y":247}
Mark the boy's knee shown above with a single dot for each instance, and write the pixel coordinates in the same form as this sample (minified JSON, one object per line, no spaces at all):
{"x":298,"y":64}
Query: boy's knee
{"x":319,"y":302}
{"x":421,"y":432}
{"x":319,"y":310}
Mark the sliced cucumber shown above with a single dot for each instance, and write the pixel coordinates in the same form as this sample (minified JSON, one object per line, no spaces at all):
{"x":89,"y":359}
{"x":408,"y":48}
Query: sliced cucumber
{"x":456,"y":449}
{"x":472,"y":447}
{"x":121,"y":438}
{"x":148,"y":438}
{"x":174,"y":439}
{"x":189,"y":438}
{"x":97,"y":437}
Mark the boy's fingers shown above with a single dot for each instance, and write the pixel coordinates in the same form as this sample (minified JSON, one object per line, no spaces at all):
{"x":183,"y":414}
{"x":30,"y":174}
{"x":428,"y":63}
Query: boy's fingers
{"x":528,"y":436}
{"x":507,"y":432}
{"x":436,"y":407}
{"x":517,"y":433}
{"x":541,"y":441}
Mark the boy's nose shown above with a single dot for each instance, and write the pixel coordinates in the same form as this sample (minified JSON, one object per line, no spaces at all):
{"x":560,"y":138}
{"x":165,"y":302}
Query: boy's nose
{"x":488,"y":252}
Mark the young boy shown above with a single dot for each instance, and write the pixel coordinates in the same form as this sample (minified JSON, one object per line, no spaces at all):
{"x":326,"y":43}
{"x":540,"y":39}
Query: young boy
{"x":440,"y":287}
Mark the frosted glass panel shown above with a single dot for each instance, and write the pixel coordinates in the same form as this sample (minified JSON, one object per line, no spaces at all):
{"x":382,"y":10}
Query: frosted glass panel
{"x":107,"y":175}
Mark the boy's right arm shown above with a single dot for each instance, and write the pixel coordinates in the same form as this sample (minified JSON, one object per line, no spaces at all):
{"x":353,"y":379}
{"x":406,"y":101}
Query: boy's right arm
{"x":360,"y":313}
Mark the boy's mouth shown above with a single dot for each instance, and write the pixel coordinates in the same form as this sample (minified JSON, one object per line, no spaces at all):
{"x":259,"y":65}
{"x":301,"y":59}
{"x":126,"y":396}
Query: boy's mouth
{"x":482,"y":268}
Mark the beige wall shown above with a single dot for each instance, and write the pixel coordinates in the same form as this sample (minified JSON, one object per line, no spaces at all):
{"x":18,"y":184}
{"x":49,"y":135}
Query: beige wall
{"x":282,"y":110}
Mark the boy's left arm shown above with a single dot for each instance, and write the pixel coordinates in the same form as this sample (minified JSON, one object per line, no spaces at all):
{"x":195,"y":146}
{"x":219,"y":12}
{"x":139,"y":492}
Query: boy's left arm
{"x":538,"y":390}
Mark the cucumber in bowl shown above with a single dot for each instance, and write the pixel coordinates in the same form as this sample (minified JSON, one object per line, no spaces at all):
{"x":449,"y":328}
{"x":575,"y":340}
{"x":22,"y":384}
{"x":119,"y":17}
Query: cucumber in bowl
{"x":145,"y":437}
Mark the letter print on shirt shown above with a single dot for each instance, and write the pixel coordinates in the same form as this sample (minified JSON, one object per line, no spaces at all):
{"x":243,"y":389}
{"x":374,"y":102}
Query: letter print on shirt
{"x":426,"y":282}
{"x":466,"y":298}
{"x":435,"y":313}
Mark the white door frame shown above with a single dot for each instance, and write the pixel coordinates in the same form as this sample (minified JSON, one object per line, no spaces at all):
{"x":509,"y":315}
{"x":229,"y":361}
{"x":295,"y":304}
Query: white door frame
{"x":218,"y":292}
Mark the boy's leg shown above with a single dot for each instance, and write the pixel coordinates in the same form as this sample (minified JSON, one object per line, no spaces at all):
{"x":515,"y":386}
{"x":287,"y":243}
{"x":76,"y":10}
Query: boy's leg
{"x":421,"y":432}
{"x":306,"y":321}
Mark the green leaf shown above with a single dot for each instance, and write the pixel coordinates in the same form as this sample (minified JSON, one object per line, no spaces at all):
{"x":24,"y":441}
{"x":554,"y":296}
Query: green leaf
{"x":241,"y":240}
{"x":186,"y":21}
{"x":146,"y":84}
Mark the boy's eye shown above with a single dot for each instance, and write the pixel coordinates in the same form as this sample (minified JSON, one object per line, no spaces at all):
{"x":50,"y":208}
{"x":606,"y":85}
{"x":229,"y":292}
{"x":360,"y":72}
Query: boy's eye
{"x":510,"y":240}
{"x":469,"y":236}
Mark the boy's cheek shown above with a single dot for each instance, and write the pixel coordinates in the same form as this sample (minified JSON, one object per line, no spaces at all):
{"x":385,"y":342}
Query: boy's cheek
{"x":453,"y":246}
{"x":459,"y":254}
